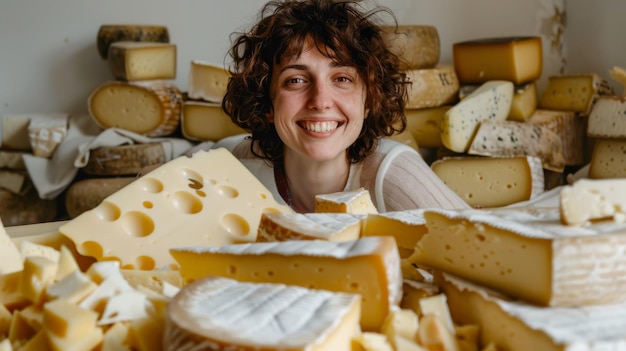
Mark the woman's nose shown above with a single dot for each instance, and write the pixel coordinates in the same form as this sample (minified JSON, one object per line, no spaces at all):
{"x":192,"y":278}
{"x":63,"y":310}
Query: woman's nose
{"x":321,"y":96}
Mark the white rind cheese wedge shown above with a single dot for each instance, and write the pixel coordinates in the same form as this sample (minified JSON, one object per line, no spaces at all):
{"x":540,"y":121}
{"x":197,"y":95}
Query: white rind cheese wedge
{"x":207,"y":81}
{"x":417,"y":46}
{"x":528,"y":254}
{"x":431,"y":87}
{"x":355,"y":202}
{"x":187,"y":201}
{"x":216,"y":313}
{"x":132,"y":60}
{"x":151,"y":108}
{"x":309,"y":226}
{"x":490,"y":102}
{"x":510,"y":138}
{"x":206,"y":121}
{"x":608,"y":159}
{"x":519,"y":326}
{"x":608,"y":118}
{"x":367,"y":266}
{"x":593,"y":199}
{"x":577,"y":93}
{"x":485,"y":182}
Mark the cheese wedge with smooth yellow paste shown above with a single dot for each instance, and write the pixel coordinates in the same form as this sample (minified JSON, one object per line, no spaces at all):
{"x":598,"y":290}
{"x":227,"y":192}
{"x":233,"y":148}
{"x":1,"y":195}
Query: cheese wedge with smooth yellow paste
{"x":204,"y":121}
{"x":593,"y":199}
{"x":407,"y":228}
{"x":207,"y":81}
{"x":577,"y":93}
{"x":132,"y":60}
{"x":525,"y":100}
{"x":111,"y":33}
{"x":528,"y":254}
{"x":608,"y":159}
{"x":309,"y":226}
{"x":187,"y":201}
{"x":570,"y":128}
{"x":368,"y":266}
{"x":220,"y":313}
{"x":431,"y":87}
{"x":425,"y":125}
{"x":485,"y":182}
{"x":356,"y":201}
{"x":417,"y":46}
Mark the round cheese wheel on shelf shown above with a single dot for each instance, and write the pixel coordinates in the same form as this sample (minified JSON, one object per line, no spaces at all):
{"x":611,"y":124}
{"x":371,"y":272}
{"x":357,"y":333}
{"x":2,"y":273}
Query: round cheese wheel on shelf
{"x":417,"y":46}
{"x":123,"y":159}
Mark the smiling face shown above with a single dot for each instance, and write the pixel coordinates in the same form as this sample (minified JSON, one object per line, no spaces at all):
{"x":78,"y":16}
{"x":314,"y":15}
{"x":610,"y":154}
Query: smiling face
{"x":318,"y":106}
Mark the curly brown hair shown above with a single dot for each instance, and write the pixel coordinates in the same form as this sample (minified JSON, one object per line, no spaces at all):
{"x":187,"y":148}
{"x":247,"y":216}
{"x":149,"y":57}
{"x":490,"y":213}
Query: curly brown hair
{"x":348,"y":34}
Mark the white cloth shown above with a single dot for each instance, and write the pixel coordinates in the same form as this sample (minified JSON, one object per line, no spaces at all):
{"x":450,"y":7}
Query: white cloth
{"x":52,"y":176}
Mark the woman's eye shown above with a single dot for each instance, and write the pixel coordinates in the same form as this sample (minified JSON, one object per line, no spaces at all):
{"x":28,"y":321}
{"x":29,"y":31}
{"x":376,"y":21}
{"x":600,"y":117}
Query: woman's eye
{"x":344,"y":79}
{"x":295,"y":81}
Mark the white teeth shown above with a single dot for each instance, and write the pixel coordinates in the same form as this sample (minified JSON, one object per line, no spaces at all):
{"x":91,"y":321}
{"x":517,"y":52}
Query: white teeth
{"x":320,"y":127}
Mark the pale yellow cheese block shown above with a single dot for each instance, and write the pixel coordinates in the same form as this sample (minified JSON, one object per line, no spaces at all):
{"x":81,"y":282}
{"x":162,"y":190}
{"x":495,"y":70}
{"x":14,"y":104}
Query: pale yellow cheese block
{"x":577,"y":93}
{"x":356,"y":201}
{"x":417,"y":46}
{"x":185,"y":202}
{"x":132,"y":60}
{"x":515,"y":59}
{"x":485,"y":182}
{"x":220,"y":313}
{"x":570,"y":128}
{"x":525,"y":101}
{"x":407,"y":227}
{"x":368,"y":266}
{"x":151,"y":108}
{"x":528,"y":254}
{"x":593,"y":199}
{"x":206,"y":121}
{"x":207,"y":82}
{"x":608,"y":159}
{"x":309,"y":226}
{"x":518,"y":326}
{"x":111,"y":33}
{"x":425,"y":125}
{"x":432,"y":87}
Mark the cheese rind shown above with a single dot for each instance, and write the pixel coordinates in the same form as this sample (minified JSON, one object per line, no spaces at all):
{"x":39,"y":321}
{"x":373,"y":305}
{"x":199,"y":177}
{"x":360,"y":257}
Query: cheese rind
{"x":577,"y":93}
{"x":220,"y":313}
{"x":86,"y":194}
{"x":417,"y":46}
{"x":485,"y":182}
{"x":120,"y":160}
{"x":111,"y":33}
{"x":608,"y":159}
{"x":206,"y":121}
{"x":593,"y":199}
{"x":569,"y":127}
{"x":368,"y":266}
{"x":490,"y":102}
{"x":515,"y":59}
{"x":309,"y":226}
{"x":207,"y":81}
{"x":431,"y":87}
{"x":186,"y":201}
{"x":355,"y":202}
{"x":151,"y":108}
{"x":131,"y":60}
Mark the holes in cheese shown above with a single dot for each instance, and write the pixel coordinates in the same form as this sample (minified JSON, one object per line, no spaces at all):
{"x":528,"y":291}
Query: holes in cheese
{"x":131,"y":60}
{"x":111,"y":33}
{"x":515,"y":59}
{"x":150,"y":108}
{"x":187,"y":201}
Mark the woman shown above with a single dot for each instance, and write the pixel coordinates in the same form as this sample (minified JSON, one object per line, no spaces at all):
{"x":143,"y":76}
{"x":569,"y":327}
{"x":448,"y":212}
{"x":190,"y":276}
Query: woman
{"x":315,"y":85}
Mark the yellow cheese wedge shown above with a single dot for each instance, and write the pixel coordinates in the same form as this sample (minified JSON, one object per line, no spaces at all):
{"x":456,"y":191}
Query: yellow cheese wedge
{"x":111,"y":33}
{"x":207,"y":82}
{"x":185,"y":202}
{"x":367,"y":266}
{"x":151,"y":108}
{"x":309,"y":226}
{"x":485,"y":182}
{"x":132,"y":60}
{"x":407,"y":228}
{"x":525,"y":100}
{"x":608,"y":159}
{"x":570,"y":128}
{"x":425,"y":125}
{"x":66,"y":320}
{"x":593,"y":199}
{"x":528,"y":254}
{"x":414,"y":291}
{"x":606,"y":119}
{"x":516,"y":59}
{"x":417,"y":46}
{"x":355,"y":202}
{"x":576,"y":93}
{"x":204,"y":121}
{"x":432,"y":87}
{"x":222,"y":313}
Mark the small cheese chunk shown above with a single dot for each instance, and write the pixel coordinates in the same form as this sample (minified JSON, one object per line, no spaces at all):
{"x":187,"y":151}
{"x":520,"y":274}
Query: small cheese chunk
{"x":608,"y":118}
{"x":417,"y":46}
{"x":608,"y":159}
{"x":432,"y":87}
{"x":515,"y":59}
{"x":400,"y":322}
{"x":438,"y":305}
{"x":485,"y":182}
{"x":73,"y":288}
{"x":132,"y":60}
{"x":569,"y":127}
{"x":66,"y":320}
{"x":524,"y":103}
{"x":425,"y":125}
{"x":206,"y":121}
{"x":372,"y":341}
{"x":593,"y":199}
{"x":577,"y":93}
{"x":309,"y":226}
{"x":39,"y":272}
{"x":414,"y":291}
{"x":367,"y":266}
{"x":11,"y":256}
{"x":220,"y":313}
{"x":111,"y":33}
{"x":46,"y":133}
{"x":490,"y":102}
{"x":207,"y":81}
{"x":355,"y":202}
{"x":435,"y":335}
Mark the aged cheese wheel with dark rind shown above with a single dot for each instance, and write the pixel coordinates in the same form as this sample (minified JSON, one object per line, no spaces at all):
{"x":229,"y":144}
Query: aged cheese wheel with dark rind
{"x":25,"y":209}
{"x":417,"y":46}
{"x":85,"y":194}
{"x":123,"y":159}
{"x":111,"y":33}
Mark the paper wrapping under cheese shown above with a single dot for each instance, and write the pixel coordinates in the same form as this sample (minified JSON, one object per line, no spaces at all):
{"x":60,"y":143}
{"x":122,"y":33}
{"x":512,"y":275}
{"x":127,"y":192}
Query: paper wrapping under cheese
{"x":528,"y":254}
{"x":518,"y":326}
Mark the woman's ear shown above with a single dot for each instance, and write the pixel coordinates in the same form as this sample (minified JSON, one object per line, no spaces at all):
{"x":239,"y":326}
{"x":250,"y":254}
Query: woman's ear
{"x":270,"y":115}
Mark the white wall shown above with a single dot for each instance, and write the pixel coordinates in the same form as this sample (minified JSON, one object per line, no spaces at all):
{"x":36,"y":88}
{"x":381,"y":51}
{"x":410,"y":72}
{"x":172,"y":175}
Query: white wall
{"x":49,"y":61}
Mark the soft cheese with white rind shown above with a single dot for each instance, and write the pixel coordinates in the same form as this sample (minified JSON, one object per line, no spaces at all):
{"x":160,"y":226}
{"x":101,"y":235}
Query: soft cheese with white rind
{"x":593,"y":199}
{"x":187,"y":201}
{"x":309,"y":226}
{"x":608,"y":118}
{"x":367,"y":266}
{"x":527,"y":253}
{"x":216,"y":313}
{"x":355,"y":202}
{"x":490,"y":102}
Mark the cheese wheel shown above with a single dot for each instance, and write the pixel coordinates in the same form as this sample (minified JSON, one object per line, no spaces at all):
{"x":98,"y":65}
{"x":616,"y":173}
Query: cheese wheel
{"x":111,"y":33}
{"x":432,"y":87}
{"x":130,"y":60}
{"x":150,"y":108}
{"x":206,"y":121}
{"x":25,"y":209}
{"x":124,"y":159}
{"x":86,"y":194}
{"x":417,"y":46}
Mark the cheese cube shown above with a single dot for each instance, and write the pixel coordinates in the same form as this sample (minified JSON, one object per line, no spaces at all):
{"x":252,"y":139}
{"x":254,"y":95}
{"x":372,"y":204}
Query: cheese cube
{"x":86,"y":341}
{"x":19,"y":330}
{"x":485,"y":182}
{"x":309,"y":226}
{"x":64,"y":319}
{"x":207,"y":81}
{"x":607,"y":118}
{"x":355,"y":202}
{"x":114,"y":338}
{"x":273,"y":317}
{"x":425,"y":125}
{"x":608,"y":159}
{"x":438,"y":305}
{"x":11,"y":256}
{"x":414,"y":291}
{"x":73,"y":288}
{"x":593,"y":199}
{"x":576,"y":93}
{"x":417,"y":46}
{"x":372,"y":341}
{"x":204,"y":121}
{"x":515,"y":59}
{"x":111,"y":33}
{"x":569,"y":127}
{"x":490,"y":102}
{"x":11,"y":295}
{"x":367,"y":266}
{"x":185,"y":202}
{"x":132,"y":60}
{"x":400,"y":322}
{"x":528,"y":254}
{"x":431,"y":87}
{"x":39,"y":272}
